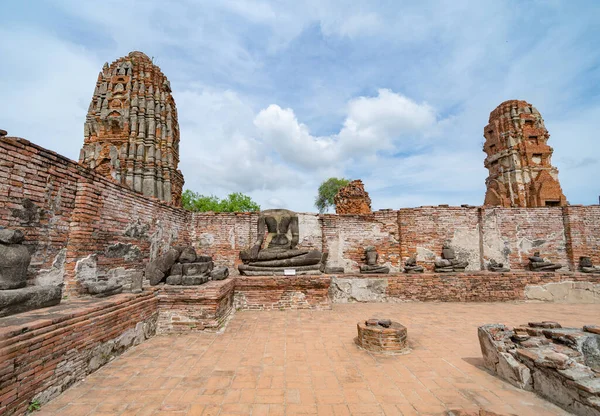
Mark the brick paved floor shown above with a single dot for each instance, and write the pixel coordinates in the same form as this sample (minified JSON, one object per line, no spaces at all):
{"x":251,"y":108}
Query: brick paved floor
{"x":305,"y":362}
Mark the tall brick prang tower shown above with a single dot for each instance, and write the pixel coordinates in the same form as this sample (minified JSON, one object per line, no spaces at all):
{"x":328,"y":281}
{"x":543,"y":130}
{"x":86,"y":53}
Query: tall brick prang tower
{"x":518,"y":159}
{"x":131,"y":133}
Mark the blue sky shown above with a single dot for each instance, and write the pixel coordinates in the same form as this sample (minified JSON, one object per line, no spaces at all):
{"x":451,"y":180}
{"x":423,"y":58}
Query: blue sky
{"x":276,"y":96}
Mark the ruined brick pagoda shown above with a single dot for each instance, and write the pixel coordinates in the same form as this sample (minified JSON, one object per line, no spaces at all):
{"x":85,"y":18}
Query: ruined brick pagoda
{"x":131,"y":133}
{"x":518,"y":159}
{"x":353,"y":199}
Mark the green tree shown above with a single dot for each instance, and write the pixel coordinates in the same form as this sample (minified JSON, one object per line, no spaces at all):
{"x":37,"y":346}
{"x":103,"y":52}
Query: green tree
{"x":234,"y":202}
{"x":327,"y":191}
{"x":238,"y":202}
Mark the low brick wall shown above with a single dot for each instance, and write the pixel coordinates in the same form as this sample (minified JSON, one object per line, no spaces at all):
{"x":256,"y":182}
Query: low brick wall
{"x":44,"y":352}
{"x":194,"y":308}
{"x":445,"y":287}
{"x":282,"y":292}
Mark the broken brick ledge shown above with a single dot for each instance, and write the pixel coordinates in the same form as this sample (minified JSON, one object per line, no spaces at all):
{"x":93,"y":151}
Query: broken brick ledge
{"x":46,"y":351}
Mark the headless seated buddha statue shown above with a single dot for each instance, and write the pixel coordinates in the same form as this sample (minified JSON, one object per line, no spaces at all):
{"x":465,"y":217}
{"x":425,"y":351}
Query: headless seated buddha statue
{"x":372,"y":267}
{"x":586,"y":265}
{"x":279,"y":232}
{"x":538,"y":264}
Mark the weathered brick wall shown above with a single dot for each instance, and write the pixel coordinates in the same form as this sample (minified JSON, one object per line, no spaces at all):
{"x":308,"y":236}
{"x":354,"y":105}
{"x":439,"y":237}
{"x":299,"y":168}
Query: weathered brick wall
{"x":66,"y":209}
{"x":122,"y":228}
{"x":37,"y":196}
{"x":512,"y":235}
{"x":424,"y":230}
{"x":582,"y":230}
{"x":194,"y":308}
{"x":345,"y":237}
{"x":223,"y":236}
{"x":282,"y":292}
{"x":42,"y":357}
{"x":453,"y":287}
{"x":69,"y":213}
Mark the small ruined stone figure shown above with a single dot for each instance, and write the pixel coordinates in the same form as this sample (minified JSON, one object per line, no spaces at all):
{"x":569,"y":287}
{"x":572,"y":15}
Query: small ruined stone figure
{"x":538,"y":264}
{"x":449,"y":263}
{"x":410,"y":266}
{"x":386,"y":323}
{"x":586,"y":265}
{"x":14,"y":259}
{"x":280,"y":250}
{"x":15,"y":295}
{"x":371,"y":266}
{"x":494,"y":266}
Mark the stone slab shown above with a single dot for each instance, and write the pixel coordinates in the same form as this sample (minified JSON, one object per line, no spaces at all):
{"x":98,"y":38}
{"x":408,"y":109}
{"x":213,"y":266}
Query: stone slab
{"x":28,"y":298}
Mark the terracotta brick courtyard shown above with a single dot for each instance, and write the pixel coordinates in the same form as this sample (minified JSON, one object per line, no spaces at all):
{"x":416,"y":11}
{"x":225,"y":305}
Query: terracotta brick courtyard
{"x":305,"y":362}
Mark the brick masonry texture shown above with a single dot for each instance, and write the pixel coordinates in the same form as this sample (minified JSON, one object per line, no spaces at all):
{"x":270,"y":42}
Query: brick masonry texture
{"x":511,"y":235}
{"x":382,"y":340}
{"x":194,"y":308}
{"x":63,"y":207}
{"x":424,"y":230}
{"x":44,"y":353}
{"x":60,"y":205}
{"x":285,"y":292}
{"x":345,"y":237}
{"x":470,"y":287}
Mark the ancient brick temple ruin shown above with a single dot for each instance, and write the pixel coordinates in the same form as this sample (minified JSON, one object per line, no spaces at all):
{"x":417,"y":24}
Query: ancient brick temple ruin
{"x":518,"y":159}
{"x":353,"y":199}
{"x":131,"y":133}
{"x":112,"y":226}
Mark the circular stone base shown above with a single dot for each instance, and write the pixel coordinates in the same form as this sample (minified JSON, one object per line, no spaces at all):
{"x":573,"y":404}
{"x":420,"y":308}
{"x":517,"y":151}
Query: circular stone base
{"x":381,"y":340}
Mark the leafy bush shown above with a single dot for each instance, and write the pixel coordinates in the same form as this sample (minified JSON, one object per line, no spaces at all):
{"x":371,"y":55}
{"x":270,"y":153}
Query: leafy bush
{"x":234,"y":202}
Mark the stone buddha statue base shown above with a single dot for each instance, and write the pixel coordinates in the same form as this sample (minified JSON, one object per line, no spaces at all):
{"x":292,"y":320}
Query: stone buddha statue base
{"x":280,"y":252}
